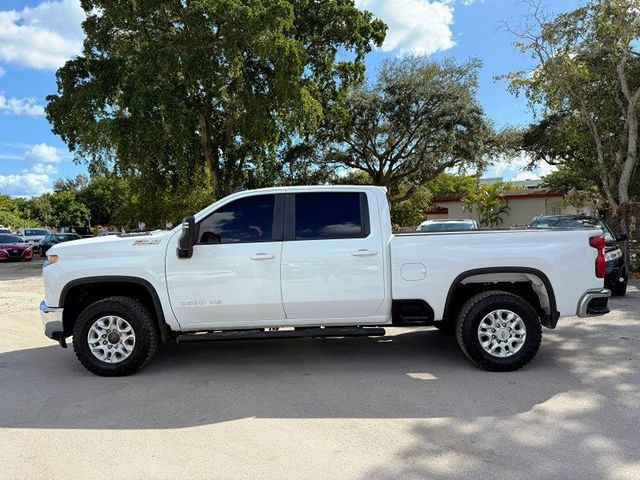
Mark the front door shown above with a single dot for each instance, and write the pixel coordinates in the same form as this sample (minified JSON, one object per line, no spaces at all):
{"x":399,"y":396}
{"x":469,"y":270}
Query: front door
{"x":233,"y":277}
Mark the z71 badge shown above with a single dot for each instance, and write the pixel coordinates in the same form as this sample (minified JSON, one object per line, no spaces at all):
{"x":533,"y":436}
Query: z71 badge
{"x":147,"y":241}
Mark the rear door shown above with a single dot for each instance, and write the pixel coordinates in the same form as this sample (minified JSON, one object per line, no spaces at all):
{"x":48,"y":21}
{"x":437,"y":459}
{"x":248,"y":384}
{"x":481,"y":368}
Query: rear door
{"x":332,"y":257}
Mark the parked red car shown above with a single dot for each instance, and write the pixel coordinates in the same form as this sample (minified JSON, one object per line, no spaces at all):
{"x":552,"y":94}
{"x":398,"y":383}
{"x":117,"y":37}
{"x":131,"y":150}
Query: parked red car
{"x":12,"y":247}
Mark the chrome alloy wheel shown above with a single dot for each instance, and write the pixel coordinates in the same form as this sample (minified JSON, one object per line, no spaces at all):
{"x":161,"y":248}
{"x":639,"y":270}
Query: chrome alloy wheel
{"x":502,"y":333}
{"x":111,"y":339}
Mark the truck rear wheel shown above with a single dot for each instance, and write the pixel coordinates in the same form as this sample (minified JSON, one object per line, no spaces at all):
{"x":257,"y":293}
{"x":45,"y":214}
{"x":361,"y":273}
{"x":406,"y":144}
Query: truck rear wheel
{"x":498,"y":331}
{"x":114,"y":336}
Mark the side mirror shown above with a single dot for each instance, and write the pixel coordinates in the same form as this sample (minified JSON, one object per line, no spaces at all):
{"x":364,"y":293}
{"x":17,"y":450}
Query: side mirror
{"x":622,"y":238}
{"x":188,"y":238}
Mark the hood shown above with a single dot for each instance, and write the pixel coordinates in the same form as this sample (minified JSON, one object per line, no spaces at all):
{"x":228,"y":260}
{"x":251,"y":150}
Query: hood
{"x":14,"y":246}
{"x":111,"y":244}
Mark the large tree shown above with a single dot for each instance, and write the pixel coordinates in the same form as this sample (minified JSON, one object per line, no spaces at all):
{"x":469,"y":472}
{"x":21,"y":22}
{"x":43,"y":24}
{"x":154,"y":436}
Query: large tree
{"x":164,"y":86}
{"x":586,"y":83}
{"x":420,"y":118}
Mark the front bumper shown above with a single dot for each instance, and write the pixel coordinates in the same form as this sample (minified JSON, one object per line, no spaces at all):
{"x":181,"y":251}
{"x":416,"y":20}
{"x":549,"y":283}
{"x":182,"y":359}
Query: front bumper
{"x":15,"y":254}
{"x":594,"y":302}
{"x":52,"y":321}
{"x":615,"y":276}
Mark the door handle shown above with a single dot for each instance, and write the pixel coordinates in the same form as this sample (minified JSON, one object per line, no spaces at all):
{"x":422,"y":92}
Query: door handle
{"x":262,"y":256}
{"x":363,"y":252}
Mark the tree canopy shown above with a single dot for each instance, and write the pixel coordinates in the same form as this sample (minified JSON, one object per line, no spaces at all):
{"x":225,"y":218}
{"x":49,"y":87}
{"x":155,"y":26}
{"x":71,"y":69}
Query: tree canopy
{"x":163,"y":88}
{"x":418,"y":119}
{"x":586,"y":85}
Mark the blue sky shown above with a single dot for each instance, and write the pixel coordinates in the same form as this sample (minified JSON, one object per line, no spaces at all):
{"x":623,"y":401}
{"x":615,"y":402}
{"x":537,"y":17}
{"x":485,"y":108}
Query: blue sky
{"x":37,"y":36}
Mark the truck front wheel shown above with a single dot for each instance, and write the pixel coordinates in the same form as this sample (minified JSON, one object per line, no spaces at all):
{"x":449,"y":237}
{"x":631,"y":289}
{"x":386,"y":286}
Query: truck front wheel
{"x":114,"y":336}
{"x":498,"y":331}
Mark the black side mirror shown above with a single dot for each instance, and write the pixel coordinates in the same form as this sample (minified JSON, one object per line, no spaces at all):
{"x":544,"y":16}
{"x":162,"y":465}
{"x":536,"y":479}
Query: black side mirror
{"x":188,"y":238}
{"x":622,"y":238}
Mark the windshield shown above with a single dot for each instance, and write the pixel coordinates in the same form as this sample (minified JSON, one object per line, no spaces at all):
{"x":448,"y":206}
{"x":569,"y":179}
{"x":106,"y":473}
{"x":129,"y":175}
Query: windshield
{"x":10,"y":239}
{"x":65,"y":237}
{"x":36,"y":232}
{"x":446,"y":227}
{"x":573,"y":222}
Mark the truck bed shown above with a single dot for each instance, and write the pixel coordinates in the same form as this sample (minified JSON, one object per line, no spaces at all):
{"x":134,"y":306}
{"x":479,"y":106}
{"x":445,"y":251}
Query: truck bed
{"x":422,"y":263}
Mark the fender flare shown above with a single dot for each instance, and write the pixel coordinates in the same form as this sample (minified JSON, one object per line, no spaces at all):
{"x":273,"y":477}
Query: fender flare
{"x":157,"y":305}
{"x":549,"y":321}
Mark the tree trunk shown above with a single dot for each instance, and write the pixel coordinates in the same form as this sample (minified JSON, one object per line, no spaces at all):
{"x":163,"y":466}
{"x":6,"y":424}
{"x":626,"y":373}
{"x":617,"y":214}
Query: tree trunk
{"x":204,"y":131}
{"x":625,"y":177}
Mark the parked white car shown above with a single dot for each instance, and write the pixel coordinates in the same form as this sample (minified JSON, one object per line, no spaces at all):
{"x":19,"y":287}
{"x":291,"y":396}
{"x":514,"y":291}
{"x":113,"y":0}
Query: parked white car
{"x":447,"y":225}
{"x":315,"y":261}
{"x":33,"y":236}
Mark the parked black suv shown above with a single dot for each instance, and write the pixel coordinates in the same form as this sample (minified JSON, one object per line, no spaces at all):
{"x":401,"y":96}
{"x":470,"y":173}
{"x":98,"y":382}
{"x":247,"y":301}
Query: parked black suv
{"x":55,"y":238}
{"x":616,"y":275}
{"x":84,"y":232}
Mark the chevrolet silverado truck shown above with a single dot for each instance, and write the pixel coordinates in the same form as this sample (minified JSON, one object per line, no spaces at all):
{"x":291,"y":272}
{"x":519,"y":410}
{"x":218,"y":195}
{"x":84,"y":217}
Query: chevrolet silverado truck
{"x":315,"y":262}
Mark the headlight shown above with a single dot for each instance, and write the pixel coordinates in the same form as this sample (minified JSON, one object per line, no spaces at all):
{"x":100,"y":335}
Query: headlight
{"x":51,"y":259}
{"x":613,"y":255}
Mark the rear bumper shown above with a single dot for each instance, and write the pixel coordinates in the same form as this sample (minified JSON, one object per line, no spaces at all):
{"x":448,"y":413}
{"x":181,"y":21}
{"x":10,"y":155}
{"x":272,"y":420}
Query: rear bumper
{"x":594,"y":302}
{"x":51,"y":321}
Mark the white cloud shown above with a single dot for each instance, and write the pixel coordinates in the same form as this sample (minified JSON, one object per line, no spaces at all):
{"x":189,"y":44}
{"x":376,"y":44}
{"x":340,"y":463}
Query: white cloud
{"x":466,"y":3}
{"x":20,"y":106}
{"x":418,"y":26}
{"x":30,"y":182}
{"x":42,"y":37}
{"x":44,"y":168}
{"x":515,"y":168}
{"x":2,"y":72}
{"x":43,"y":153}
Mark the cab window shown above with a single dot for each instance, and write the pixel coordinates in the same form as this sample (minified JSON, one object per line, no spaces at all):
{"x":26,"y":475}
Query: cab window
{"x":246,"y":220}
{"x":331,"y":215}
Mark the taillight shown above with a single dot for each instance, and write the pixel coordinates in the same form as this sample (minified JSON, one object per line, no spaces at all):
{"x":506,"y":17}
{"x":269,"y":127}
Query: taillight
{"x":598,"y":243}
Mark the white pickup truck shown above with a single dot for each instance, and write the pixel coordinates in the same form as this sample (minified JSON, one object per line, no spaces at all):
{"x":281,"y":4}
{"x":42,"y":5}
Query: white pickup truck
{"x":315,"y":262}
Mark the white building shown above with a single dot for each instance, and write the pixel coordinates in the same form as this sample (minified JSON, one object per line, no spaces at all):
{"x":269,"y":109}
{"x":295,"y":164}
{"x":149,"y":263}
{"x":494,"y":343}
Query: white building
{"x":524,"y":205}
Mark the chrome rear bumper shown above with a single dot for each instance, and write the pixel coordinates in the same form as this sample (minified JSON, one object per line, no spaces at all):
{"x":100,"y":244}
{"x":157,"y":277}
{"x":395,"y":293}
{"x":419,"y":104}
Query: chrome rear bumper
{"x":594,"y":302}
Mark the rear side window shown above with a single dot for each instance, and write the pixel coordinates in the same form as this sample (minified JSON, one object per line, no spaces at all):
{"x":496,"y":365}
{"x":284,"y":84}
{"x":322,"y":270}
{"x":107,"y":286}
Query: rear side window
{"x":331,"y":215}
{"x":247,"y":220}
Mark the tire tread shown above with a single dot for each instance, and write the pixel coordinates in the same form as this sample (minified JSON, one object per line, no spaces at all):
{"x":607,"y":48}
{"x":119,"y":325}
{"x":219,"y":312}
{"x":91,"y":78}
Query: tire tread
{"x":481,"y":362}
{"x":136,"y":310}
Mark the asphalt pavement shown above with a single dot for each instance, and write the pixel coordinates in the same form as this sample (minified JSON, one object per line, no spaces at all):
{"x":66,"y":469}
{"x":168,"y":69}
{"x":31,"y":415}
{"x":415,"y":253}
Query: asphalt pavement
{"x":408,"y":405}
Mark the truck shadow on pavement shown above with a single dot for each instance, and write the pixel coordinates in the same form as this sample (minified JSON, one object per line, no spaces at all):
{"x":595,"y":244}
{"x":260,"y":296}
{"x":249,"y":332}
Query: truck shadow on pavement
{"x":412,"y":374}
{"x":587,"y":429}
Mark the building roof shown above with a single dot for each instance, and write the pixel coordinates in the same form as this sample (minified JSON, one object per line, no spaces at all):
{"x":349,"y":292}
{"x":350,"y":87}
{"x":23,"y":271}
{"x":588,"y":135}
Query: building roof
{"x":514,"y":194}
{"x":528,"y":183}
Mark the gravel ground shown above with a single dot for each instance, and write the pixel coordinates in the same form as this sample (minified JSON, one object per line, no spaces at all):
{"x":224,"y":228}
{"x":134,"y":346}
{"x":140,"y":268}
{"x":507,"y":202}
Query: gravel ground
{"x":405,"y":406}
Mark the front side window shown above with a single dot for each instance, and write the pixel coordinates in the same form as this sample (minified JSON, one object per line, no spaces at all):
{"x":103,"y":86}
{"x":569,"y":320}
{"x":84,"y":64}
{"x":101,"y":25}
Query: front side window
{"x":246,"y":220}
{"x":329,"y":215}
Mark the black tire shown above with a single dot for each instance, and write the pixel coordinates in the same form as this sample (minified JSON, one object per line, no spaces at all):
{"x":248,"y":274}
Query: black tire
{"x":472,"y":314}
{"x":619,"y":290}
{"x":142,"y":322}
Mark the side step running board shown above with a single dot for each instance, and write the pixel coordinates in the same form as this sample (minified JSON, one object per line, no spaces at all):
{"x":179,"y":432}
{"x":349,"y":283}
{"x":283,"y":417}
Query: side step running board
{"x":296,"y":333}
